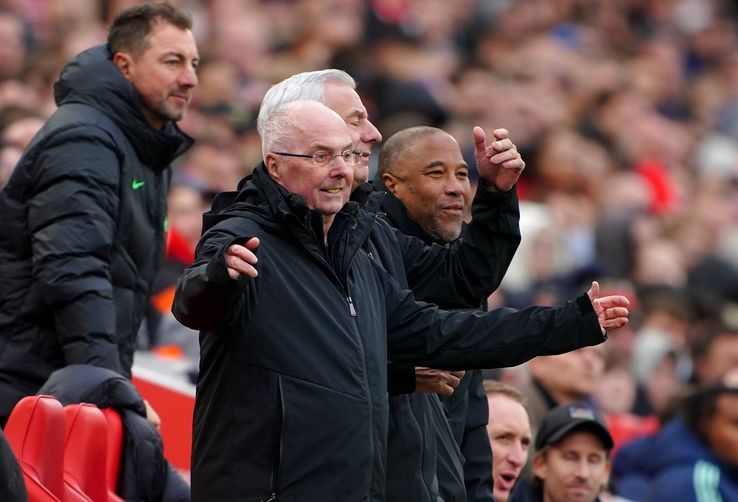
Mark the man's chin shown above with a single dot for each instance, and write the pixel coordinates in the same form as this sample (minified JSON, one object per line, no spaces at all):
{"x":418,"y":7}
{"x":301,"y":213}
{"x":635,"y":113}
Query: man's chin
{"x":361,"y":174}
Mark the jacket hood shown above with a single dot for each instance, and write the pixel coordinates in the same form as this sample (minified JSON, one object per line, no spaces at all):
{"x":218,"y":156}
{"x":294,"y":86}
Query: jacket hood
{"x":85,"y":383}
{"x":250,"y":198}
{"x":91,"y":78}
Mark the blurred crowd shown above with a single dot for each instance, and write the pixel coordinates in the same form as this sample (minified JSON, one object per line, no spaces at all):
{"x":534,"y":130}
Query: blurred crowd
{"x":625,"y":112}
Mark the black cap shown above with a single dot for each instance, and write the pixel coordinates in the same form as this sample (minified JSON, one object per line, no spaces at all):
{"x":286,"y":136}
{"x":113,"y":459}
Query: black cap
{"x":565,"y":418}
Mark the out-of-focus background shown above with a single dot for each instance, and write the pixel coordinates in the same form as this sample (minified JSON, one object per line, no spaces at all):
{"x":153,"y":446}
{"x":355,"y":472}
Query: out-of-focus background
{"x":626,"y":113}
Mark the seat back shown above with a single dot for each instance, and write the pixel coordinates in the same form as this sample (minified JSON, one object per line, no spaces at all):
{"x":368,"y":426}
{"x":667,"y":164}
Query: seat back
{"x":85,"y":453}
{"x":115,"y":451}
{"x":35,"y":432}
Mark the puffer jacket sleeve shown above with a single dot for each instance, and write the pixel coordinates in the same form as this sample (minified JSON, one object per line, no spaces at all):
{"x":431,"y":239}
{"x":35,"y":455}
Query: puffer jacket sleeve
{"x":422,"y":334}
{"x":205,"y":292}
{"x":469,"y":269}
{"x":72,"y":216}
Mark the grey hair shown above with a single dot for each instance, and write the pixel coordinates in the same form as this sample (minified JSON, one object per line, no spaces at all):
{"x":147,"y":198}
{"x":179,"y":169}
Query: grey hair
{"x":280,"y":127}
{"x":305,"y":86}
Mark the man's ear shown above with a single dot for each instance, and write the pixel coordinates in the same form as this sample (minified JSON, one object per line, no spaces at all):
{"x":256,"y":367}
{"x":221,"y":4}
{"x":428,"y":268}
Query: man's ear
{"x":540,"y":465}
{"x":272,"y":166}
{"x":608,"y":469}
{"x":390,"y":182}
{"x":124,"y":62}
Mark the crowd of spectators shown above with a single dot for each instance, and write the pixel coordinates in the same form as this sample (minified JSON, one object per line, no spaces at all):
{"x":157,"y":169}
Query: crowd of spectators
{"x":625,"y":112}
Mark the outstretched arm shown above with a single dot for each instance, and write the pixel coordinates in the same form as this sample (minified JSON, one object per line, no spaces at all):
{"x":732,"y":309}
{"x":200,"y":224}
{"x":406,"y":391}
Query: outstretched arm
{"x":424,"y":335}
{"x":204,"y":293}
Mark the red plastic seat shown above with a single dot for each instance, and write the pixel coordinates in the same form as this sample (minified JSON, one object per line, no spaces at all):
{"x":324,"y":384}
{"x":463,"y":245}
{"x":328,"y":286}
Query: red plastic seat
{"x":115,"y":450}
{"x":85,"y":454}
{"x":35,"y":431}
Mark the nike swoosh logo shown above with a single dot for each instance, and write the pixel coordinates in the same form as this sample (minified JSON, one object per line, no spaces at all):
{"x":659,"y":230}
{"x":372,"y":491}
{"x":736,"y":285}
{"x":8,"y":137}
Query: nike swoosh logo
{"x":135,"y":184}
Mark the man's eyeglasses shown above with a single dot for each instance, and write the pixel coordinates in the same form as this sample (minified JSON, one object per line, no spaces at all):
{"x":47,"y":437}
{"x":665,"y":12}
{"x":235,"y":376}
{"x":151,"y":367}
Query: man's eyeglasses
{"x":323,"y":158}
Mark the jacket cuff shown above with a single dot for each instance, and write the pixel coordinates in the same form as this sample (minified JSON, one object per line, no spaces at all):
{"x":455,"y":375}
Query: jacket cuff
{"x":217,"y":269}
{"x":491,"y":189}
{"x":400,"y":379}
{"x":585,"y":306}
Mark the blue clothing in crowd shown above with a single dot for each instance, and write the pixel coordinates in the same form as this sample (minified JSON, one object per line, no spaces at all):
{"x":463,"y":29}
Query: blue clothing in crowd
{"x":673,"y":465}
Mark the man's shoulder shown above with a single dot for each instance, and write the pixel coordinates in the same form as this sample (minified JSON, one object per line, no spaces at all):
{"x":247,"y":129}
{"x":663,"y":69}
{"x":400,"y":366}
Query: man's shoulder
{"x":696,"y":480}
{"x":241,"y":218}
{"x":76,"y":120}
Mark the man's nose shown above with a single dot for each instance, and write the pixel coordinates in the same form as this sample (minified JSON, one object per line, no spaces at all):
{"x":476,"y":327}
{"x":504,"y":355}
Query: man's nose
{"x":341,"y":168}
{"x":188,"y":77}
{"x":517,"y":456}
{"x":370,"y":134}
{"x":582,"y":469}
{"x":452,"y":185}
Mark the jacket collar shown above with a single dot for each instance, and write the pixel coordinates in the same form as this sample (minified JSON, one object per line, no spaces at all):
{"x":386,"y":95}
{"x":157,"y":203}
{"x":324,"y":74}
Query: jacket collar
{"x":396,"y":214}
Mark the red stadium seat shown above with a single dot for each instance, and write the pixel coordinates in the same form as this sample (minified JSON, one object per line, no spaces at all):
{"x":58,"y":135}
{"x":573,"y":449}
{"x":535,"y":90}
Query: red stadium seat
{"x":85,"y":453}
{"x":35,"y":431}
{"x":115,"y":450}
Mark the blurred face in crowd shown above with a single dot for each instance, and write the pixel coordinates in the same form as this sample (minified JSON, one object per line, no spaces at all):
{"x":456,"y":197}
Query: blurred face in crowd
{"x":346,"y":102}
{"x":721,"y":358}
{"x":185,"y":207}
{"x":571,"y":376}
{"x":575,"y":469}
{"x":509,"y":437}
{"x":164,"y":74}
{"x":432,"y":181}
{"x":12,"y":48}
{"x":325,"y":188}
{"x":722,"y":429}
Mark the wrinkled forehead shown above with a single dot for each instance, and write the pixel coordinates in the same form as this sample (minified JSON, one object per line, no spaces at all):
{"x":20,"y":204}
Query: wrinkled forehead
{"x":323,"y":129}
{"x":436,"y":149}
{"x":344,"y":100}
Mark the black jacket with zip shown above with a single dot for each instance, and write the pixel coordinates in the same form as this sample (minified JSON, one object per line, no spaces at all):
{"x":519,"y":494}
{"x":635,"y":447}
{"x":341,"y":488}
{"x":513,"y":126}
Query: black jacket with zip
{"x":82,"y":230}
{"x":424,"y":458}
{"x":439,"y":446}
{"x":292,"y":391}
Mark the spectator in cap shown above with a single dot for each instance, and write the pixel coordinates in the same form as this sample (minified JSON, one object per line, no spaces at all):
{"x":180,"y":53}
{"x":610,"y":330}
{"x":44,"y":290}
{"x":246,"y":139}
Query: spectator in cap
{"x":572,"y":459}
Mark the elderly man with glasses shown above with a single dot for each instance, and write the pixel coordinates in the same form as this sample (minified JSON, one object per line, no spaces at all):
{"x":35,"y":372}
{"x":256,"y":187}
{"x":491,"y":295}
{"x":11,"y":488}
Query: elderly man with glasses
{"x":292,"y":394}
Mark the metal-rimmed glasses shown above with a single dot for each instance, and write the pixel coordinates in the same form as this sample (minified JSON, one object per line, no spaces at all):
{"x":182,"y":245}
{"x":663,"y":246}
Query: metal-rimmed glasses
{"x":321,"y":158}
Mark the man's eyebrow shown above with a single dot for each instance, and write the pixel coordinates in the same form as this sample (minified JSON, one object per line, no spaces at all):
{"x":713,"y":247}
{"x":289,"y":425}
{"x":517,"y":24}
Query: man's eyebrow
{"x":357,"y":113}
{"x":327,"y":148}
{"x":178,"y":55}
{"x":438,"y":163}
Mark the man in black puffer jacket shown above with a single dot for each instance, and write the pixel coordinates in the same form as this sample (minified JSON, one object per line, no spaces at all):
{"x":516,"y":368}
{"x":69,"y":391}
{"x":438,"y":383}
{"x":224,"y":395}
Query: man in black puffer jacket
{"x":83,"y":217}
